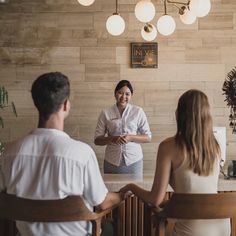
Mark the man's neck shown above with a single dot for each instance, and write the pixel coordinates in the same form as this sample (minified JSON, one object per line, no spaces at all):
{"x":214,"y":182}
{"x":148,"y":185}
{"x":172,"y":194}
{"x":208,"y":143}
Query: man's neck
{"x":54,"y":122}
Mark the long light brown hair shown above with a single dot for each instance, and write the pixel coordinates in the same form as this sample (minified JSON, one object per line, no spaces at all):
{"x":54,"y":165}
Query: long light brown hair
{"x":195,"y":132}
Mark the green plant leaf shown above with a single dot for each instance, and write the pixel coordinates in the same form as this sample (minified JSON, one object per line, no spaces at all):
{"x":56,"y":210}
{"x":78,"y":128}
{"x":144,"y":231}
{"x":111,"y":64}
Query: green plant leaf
{"x":5,"y":98}
{"x":4,"y":104}
{"x":1,"y":147}
{"x":1,"y":96}
{"x":1,"y":122}
{"x":13,"y":108}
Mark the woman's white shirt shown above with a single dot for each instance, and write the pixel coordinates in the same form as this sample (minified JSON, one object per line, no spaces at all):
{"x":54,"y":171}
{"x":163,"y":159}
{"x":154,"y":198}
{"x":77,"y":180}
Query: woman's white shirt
{"x":132,"y":122}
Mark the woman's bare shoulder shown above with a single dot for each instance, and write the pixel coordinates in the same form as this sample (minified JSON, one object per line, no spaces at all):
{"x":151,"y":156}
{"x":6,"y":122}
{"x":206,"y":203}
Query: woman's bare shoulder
{"x":167,"y":145}
{"x":169,"y":149}
{"x":168,"y":141}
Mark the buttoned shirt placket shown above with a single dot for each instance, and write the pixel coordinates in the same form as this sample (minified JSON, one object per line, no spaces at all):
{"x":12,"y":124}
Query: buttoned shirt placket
{"x":123,"y":132}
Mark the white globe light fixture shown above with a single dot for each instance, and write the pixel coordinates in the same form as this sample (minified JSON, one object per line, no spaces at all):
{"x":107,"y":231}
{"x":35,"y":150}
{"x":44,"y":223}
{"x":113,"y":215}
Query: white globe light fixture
{"x":166,"y":25}
{"x":86,"y":2}
{"x":144,"y":11}
{"x":186,"y":16}
{"x":149,"y":32}
{"x":200,"y":7}
{"x":115,"y":24}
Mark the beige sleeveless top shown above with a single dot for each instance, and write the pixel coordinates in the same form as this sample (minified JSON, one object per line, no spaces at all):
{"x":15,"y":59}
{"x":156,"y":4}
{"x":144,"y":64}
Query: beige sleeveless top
{"x":184,"y":180}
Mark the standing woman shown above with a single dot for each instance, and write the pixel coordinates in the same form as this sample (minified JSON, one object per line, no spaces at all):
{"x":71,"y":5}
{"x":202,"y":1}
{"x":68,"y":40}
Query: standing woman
{"x":122,"y":128}
{"x":189,"y":162}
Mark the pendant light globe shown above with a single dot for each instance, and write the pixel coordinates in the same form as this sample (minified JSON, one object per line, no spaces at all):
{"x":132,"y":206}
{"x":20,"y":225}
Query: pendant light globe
{"x":144,"y":11}
{"x":86,"y":2}
{"x":166,"y":25}
{"x":200,"y":7}
{"x":115,"y":24}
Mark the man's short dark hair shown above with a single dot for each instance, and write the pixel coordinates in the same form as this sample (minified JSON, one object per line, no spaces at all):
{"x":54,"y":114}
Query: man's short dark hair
{"x":49,"y":91}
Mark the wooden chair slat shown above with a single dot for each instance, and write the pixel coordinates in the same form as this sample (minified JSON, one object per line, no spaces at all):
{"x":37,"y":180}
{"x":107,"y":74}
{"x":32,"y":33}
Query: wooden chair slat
{"x":71,"y":208}
{"x":195,"y":206}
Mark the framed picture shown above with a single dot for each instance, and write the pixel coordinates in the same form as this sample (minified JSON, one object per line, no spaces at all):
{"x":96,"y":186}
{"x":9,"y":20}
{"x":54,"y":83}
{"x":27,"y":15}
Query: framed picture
{"x":144,"y":55}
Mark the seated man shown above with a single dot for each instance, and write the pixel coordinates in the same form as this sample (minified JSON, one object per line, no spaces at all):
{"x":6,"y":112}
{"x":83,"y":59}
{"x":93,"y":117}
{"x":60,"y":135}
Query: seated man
{"x":48,"y":164}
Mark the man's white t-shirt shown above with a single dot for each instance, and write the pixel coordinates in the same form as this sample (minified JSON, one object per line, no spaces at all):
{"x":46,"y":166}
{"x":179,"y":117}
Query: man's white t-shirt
{"x":48,"y":164}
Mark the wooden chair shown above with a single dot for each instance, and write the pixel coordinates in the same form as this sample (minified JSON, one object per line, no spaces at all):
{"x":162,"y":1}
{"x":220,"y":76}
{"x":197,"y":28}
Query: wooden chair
{"x":71,"y":208}
{"x":195,"y":206}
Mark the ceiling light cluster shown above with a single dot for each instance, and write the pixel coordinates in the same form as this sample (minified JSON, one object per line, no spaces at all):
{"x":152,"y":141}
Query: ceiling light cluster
{"x":145,"y":11}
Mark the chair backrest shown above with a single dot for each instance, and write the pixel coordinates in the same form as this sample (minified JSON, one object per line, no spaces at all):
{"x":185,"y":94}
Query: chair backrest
{"x":71,"y":208}
{"x":200,"y":206}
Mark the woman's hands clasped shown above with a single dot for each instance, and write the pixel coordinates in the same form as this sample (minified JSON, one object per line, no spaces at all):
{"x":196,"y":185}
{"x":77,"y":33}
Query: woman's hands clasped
{"x":122,"y":139}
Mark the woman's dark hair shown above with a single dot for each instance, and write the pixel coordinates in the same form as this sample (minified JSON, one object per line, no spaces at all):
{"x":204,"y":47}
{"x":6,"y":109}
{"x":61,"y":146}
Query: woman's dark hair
{"x":123,"y":83}
{"x":49,"y":91}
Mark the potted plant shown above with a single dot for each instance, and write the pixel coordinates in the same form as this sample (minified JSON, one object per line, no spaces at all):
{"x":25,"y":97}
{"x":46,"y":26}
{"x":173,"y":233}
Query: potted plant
{"x":229,"y":89}
{"x":3,"y":105}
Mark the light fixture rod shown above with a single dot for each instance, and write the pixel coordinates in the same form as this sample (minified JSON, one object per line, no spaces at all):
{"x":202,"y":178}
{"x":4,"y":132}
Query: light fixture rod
{"x":116,"y":6}
{"x":176,"y":6}
{"x":165,"y":7}
{"x":182,"y":3}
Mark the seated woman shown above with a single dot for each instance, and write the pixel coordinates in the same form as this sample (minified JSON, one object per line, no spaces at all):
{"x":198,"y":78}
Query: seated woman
{"x":189,"y":162}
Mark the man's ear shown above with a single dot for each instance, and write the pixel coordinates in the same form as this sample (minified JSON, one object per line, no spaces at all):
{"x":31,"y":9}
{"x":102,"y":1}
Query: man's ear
{"x":66,"y":105}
